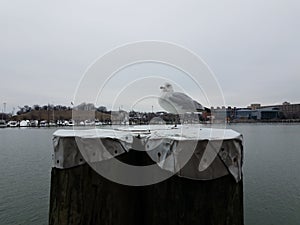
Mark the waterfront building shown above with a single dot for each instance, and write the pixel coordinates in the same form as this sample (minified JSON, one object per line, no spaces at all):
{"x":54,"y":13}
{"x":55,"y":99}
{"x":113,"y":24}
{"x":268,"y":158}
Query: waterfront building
{"x":288,"y":110}
{"x":267,"y":113}
{"x":291,"y":111}
{"x":254,"y":106}
{"x":244,"y":114}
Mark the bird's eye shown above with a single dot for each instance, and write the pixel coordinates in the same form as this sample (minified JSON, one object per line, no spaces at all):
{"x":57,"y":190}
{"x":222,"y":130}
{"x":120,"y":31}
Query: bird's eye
{"x":168,"y":85}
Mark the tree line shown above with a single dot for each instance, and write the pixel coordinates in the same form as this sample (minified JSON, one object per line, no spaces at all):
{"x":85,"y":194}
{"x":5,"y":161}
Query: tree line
{"x":51,"y":107}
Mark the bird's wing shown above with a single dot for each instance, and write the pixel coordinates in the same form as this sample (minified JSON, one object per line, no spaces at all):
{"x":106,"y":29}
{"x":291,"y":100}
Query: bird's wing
{"x":184,"y":101}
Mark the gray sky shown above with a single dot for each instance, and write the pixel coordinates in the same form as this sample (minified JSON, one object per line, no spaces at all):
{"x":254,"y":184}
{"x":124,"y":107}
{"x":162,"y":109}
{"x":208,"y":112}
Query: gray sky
{"x":252,"y":46}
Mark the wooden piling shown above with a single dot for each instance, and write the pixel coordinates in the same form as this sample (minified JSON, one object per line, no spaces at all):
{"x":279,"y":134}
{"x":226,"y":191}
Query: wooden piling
{"x":80,"y":196}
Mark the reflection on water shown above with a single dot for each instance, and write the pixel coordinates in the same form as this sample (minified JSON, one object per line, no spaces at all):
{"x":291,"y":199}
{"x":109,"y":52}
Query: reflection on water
{"x":271,"y":174}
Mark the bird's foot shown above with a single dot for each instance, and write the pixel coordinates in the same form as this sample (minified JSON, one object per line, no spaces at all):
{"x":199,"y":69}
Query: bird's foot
{"x":175,"y":127}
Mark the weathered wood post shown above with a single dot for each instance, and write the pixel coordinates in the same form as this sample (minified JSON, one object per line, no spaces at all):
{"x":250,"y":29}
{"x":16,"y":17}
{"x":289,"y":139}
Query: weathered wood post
{"x":213,"y":195}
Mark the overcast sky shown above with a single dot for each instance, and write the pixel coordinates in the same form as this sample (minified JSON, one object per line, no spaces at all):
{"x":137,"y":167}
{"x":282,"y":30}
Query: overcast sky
{"x":252,"y":46}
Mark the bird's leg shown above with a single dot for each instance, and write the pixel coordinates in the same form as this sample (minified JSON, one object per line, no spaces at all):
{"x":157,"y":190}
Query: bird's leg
{"x":181,"y":117}
{"x":175,"y":126}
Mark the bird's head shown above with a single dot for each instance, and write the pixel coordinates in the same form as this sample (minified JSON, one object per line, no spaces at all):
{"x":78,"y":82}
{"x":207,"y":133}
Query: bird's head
{"x":167,"y":87}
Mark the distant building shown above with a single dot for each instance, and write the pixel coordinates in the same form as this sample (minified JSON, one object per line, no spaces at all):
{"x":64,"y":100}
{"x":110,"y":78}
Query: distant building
{"x":291,"y":111}
{"x":231,"y":114}
{"x":219,"y":114}
{"x":254,"y":106}
{"x":288,"y":110}
{"x":243,"y":114}
{"x":267,"y":113}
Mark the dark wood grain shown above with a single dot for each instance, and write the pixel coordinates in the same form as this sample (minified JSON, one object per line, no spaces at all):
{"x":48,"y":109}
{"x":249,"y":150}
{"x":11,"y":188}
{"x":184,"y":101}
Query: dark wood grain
{"x":80,"y":196}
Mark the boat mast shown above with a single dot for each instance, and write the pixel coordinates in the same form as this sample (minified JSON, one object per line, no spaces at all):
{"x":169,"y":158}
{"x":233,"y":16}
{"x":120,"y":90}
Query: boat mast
{"x":3,"y":110}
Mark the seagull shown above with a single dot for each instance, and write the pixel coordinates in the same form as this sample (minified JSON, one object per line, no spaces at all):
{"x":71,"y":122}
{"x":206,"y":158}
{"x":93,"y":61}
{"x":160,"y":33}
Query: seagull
{"x":177,"y":102}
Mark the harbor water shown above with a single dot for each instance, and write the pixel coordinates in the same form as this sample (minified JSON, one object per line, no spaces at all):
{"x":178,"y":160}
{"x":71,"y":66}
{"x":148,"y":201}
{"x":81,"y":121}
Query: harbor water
{"x":271,"y":174}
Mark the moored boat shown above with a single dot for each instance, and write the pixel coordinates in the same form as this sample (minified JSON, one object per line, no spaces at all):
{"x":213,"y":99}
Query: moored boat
{"x":12,"y":123}
{"x":24,"y":123}
{"x":3,"y":124}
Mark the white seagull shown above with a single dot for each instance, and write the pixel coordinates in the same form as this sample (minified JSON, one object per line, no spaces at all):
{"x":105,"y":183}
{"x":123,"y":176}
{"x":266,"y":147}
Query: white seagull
{"x":177,"y":102}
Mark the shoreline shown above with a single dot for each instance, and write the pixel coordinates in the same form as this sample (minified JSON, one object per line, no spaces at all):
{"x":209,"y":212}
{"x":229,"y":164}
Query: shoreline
{"x":291,"y":122}
{"x":286,"y":121}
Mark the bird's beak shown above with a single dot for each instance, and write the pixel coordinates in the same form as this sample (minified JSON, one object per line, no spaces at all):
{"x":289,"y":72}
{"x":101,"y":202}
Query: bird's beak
{"x":162,"y":87}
